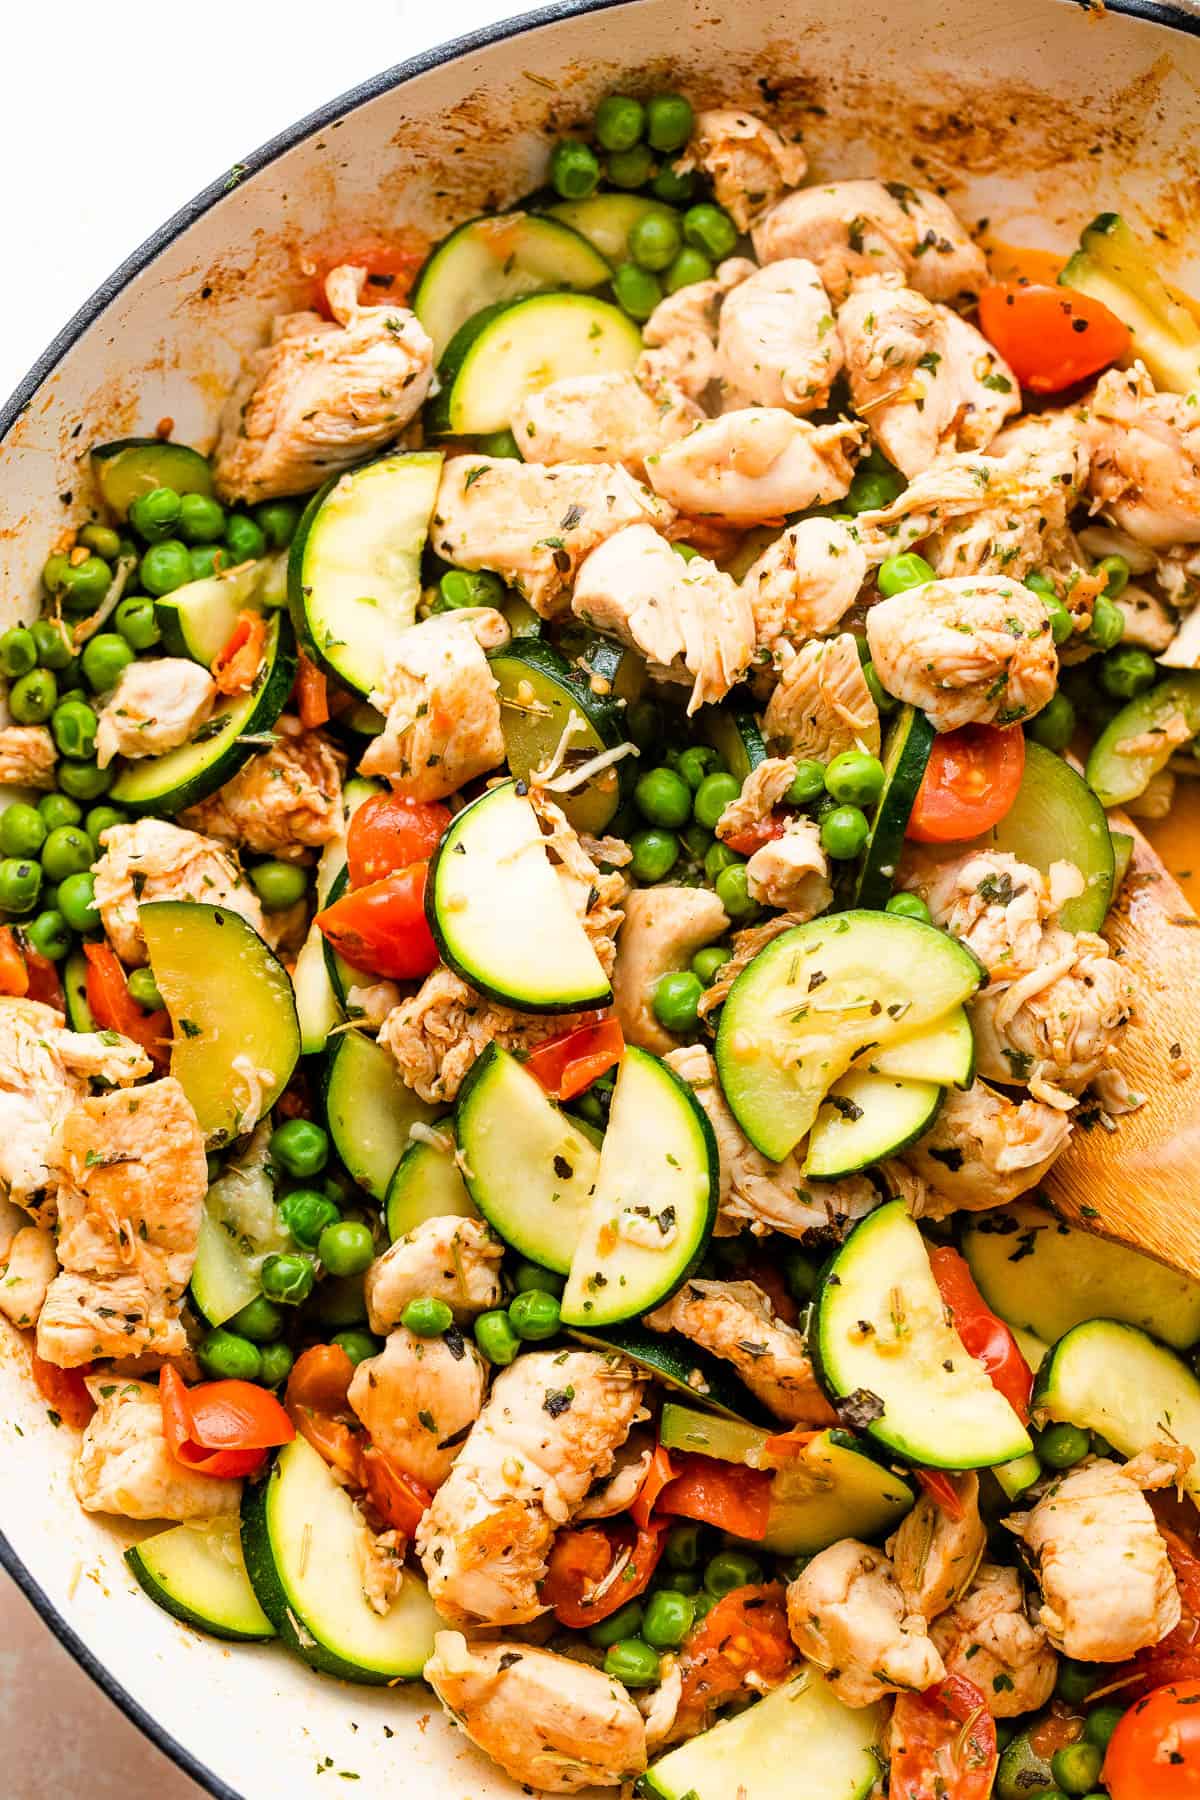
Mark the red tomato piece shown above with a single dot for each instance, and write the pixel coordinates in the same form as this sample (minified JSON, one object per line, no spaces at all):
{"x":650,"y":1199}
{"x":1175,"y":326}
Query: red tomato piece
{"x":985,"y":1337}
{"x":236,"y":667}
{"x":970,"y":783}
{"x":312,"y":693}
{"x":742,"y":1646}
{"x":389,"y":833}
{"x":398,"y":1499}
{"x":114,"y":1009}
{"x":382,"y":928}
{"x":656,"y":1478}
{"x":1051,"y":337}
{"x":42,"y":977}
{"x":14,"y":976}
{"x":592,"y":1573}
{"x":939,"y":1487}
{"x":729,"y":1495}
{"x":1154,"y":1753}
{"x":943,"y":1744}
{"x":316,"y":1399}
{"x":390,"y":269}
{"x":570,"y":1062}
{"x":763,"y":831}
{"x":1175,"y":1658}
{"x":221,"y":1427}
{"x":64,"y":1391}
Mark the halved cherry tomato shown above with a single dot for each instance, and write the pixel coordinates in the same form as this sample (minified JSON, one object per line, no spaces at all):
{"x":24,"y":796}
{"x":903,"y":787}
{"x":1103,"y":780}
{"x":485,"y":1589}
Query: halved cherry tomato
{"x":943,"y":1744}
{"x":728,"y":1495}
{"x":42,"y":977}
{"x":654,"y":1481}
{"x":389,"y":833}
{"x":970,"y":783}
{"x":1154,"y":1753}
{"x":941,"y":1488}
{"x":763,"y":831}
{"x":14,"y":976}
{"x":221,"y":1427}
{"x":235,"y":668}
{"x":592,"y":1573}
{"x":741,"y":1647}
{"x":317,"y":1404}
{"x":1050,"y":337}
{"x":312,"y":693}
{"x":567,"y":1064}
{"x":986,"y":1337}
{"x":64,"y":1391}
{"x":789,"y":1446}
{"x":114,"y":1009}
{"x":1176,"y":1657}
{"x":382,"y":928}
{"x":390,"y":267}
{"x":399,"y":1500}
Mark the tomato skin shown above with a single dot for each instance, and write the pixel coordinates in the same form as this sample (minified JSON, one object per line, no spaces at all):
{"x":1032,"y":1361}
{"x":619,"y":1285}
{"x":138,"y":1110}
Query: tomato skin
{"x":64,"y":1390}
{"x":399,"y":1500}
{"x":114,"y":1009}
{"x":235,"y":668}
{"x":940,"y":1488}
{"x":580,"y":1561}
{"x":728,"y":1495}
{"x":14,"y":977}
{"x":745,"y":1634}
{"x":1154,"y":1753}
{"x":660,"y":1472}
{"x":42,"y":976}
{"x":943,"y":1744}
{"x":570,"y":1062}
{"x":1175,"y":1658}
{"x":970,"y":783}
{"x":388,"y":833}
{"x":382,"y":928}
{"x":312,"y":693}
{"x":221,"y":1427}
{"x":1051,"y":337}
{"x":390,"y":268}
{"x":763,"y":831}
{"x":985,"y":1337}
{"x":316,"y":1400}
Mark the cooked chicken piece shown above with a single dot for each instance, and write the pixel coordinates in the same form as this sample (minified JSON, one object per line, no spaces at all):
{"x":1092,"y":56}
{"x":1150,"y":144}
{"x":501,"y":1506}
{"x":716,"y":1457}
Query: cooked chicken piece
{"x":792,"y":872}
{"x":681,"y":333}
{"x":83,"y":1319}
{"x":323,"y":394}
{"x":552,"y":1424}
{"x":440,"y":700}
{"x":996,"y":905}
{"x":746,"y":945}
{"x":1061,"y":1025}
{"x":687,"y":619}
{"x":601,"y":419}
{"x":988,"y":1637}
{"x":758,"y":463}
{"x":597,"y":898}
{"x":617,"y":1492}
{"x":726,"y":1664}
{"x":451,"y":1259}
{"x":44,"y":1071}
{"x":935,"y":1556}
{"x":984,"y":1149}
{"x":664,"y":927}
{"x":155,"y":706}
{"x":437,"y":1034}
{"x":419,"y":1398}
{"x":1145,"y":451}
{"x":154,"y":860}
{"x":762,"y":791}
{"x":552,"y":1723}
{"x":1150,"y":624}
{"x":1108,"y":1589}
{"x":750,"y":164}
{"x":847,"y":1614}
{"x":27,"y":1267}
{"x":805,"y":582}
{"x":851,"y":228}
{"x":969,"y":650}
{"x":281,"y":803}
{"x":1178,"y":573}
{"x":822,"y":704}
{"x":381,"y":1567}
{"x":925,"y":381}
{"x":659,"y":1706}
{"x":736,"y":1321}
{"x":124,"y":1465}
{"x":533,"y":524}
{"x":27,"y":756}
{"x":777,"y":344}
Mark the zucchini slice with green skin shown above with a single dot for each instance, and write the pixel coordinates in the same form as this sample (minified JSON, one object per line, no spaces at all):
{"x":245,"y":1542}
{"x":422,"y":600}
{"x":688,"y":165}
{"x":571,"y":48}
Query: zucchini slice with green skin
{"x":301,"y":1540}
{"x":79,"y":1013}
{"x":699,"y":1378}
{"x":606,"y":220}
{"x":132,"y":466}
{"x":528,"y":1167}
{"x":801,"y":1743}
{"x":1057,"y":816}
{"x":501,"y":917}
{"x":235,"y":731}
{"x":507,"y":352}
{"x":538,"y":694}
{"x":427,"y":1184}
{"x":889,"y":1360}
{"x":1115,"y":1380}
{"x":905,"y":756}
{"x":233,"y":1012}
{"x":655,"y":1201}
{"x":240,"y":1227}
{"x":734,"y":732}
{"x":865,"y":1117}
{"x":943,"y":1052}
{"x":1122,"y":846}
{"x":819,"y":996}
{"x":340,"y":975}
{"x":500,"y":257}
{"x":197,"y":1574}
{"x":369,"y":1110}
{"x":1113,"y":265}
{"x":354,"y":567}
{"x":1045,"y":1276}
{"x":197,"y":619}
{"x":1114,"y":774}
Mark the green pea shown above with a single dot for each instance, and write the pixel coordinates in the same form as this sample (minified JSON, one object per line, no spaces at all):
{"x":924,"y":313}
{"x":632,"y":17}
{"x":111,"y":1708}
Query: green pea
{"x":279,"y":884}
{"x":144,"y":989}
{"x":287,"y":1278}
{"x":625,"y":1623}
{"x":52,"y":643}
{"x":730,"y":1569}
{"x":1100,"y":1445}
{"x":471,"y":587}
{"x":855,"y":778}
{"x":50,"y":935}
{"x":636,"y":289}
{"x":307,"y":1213}
{"x":200,"y":519}
{"x":32,"y":699}
{"x":1076,"y":1767}
{"x":502,"y":444}
{"x":425,"y":1317}
{"x":496,"y":1338}
{"x":103,"y":540}
{"x":619,"y":122}
{"x":246,"y":540}
{"x":84,"y":585}
{"x":277,"y":520}
{"x":901,"y":572}
{"x":574,"y":170}
{"x":66,"y":851}
{"x":101,"y":819}
{"x":77,"y":902}
{"x":85,"y":780}
{"x":630,"y":168}
{"x":663,"y":798}
{"x":226,"y":1356}
{"x":534,"y":1316}
{"x":531,"y":1278}
{"x":873,"y":489}
{"x":697,"y":841}
{"x":300,"y":1148}
{"x":1061,"y":622}
{"x":683,"y":1581}
{"x":20,"y":884}
{"x":346,"y":1248}
{"x":1076,"y":1680}
{"x":704,"y":1605}
{"x":655,"y":241}
{"x":676,"y":997}
{"x":1108,"y":624}
{"x":682,"y":1550}
{"x":358,"y":1345}
{"x":207,"y":560}
{"x":134,"y":619}
{"x":644,"y":723}
{"x":1100,"y":1724}
{"x":58,"y":809}
{"x":708,"y":962}
{"x":22,"y":830}
{"x":808,"y":783}
{"x":1116,"y":572}
{"x":655,"y":854}
{"x":695,"y":763}
{"x":155,"y":515}
{"x":668,"y":1619}
{"x":165,"y":567}
{"x":276,"y":1364}
{"x":717,"y":857}
{"x":632,"y":1663}
{"x":1062,"y":1446}
{"x":844,"y":831}
{"x":714,"y":794}
{"x":1127,"y":671}
{"x":800,"y":1272}
{"x":18,"y":652}
{"x":709,"y":228}
{"x":104,"y":658}
{"x":669,"y":120}
{"x":909,"y":906}
{"x":54,"y":572}
{"x":260,"y":1320}
{"x":733,"y":891}
{"x":1054,"y":726}
{"x":673,"y":188}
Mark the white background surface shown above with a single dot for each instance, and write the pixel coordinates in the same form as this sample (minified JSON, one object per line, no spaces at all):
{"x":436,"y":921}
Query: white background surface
{"x":110,"y":119}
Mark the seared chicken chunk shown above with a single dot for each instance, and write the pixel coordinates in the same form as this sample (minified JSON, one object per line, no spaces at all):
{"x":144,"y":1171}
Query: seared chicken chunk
{"x":155,"y":706}
{"x":988,"y":1637}
{"x":776,"y":342}
{"x":601,"y":419}
{"x":552,"y":1723}
{"x":847,"y":1614}
{"x":822,"y":704}
{"x":664,"y":927}
{"x":1061,"y":1025}
{"x":551,"y":1426}
{"x":154,"y":860}
{"x":419,"y":1398}
{"x":27,"y":756}
{"x":437,"y":1034}
{"x":758,"y":463}
{"x":440,"y":701}
{"x":1145,"y":458}
{"x":597,"y":896}
{"x":27,"y":1267}
{"x":681,"y":333}
{"x":736,"y":1321}
{"x":984,"y":1149}
{"x":451,"y":1259}
{"x":805,"y":582}
{"x":281,"y":803}
{"x":323,"y":394}
{"x":792,"y":872}
{"x":996,"y":905}
{"x":124,"y":1465}
{"x":970,"y":650}
{"x":934,"y":1554}
{"x":762,"y":791}
{"x":750,"y":164}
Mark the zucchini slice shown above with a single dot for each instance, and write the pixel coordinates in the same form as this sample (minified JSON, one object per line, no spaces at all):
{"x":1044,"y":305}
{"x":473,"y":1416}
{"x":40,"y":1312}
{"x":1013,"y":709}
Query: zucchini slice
{"x":501,"y":917}
{"x":198,"y":1575}
{"x":819,"y":996}
{"x":369,"y":1111}
{"x":233,"y":1012}
{"x":427,"y":1183}
{"x":500,"y":257}
{"x":1045,"y":1276}
{"x":239,"y":1227}
{"x":887,"y":1357}
{"x":1112,"y":264}
{"x":132,"y":466}
{"x":301,"y":1535}
{"x":1117,"y":776}
{"x":528,"y":1167}
{"x":1112,"y":1379}
{"x":540,"y":700}
{"x":237,"y":729}
{"x":354,"y":567}
{"x":701,"y":1379}
{"x":79,"y":1013}
{"x":1122,"y":846}
{"x":735,"y":734}
{"x":510,"y":351}
{"x":866,"y":1116}
{"x":1056,"y":815}
{"x":197,"y":619}
{"x":905,"y":755}
{"x":943,"y":1052}
{"x":801,"y":1743}
{"x":655,"y":1199}
{"x":606,"y":220}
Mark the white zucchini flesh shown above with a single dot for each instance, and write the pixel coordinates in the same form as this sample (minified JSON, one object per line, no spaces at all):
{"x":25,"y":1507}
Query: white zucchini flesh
{"x":943,"y":1052}
{"x":865,"y":1117}
{"x":500,"y":257}
{"x":526,"y":347}
{"x":196,"y":1572}
{"x":427,"y":1184}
